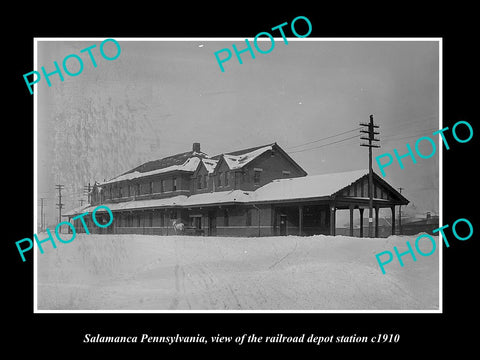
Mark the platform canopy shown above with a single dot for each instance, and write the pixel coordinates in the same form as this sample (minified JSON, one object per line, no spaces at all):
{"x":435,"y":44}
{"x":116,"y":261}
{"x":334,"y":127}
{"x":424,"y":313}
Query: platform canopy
{"x":344,"y":189}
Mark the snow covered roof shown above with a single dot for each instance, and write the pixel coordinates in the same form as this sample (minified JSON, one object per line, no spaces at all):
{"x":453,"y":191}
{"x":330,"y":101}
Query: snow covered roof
{"x":219,"y":197}
{"x":142,"y":204}
{"x":238,"y":161}
{"x":188,"y":161}
{"x":189,"y":165}
{"x":299,"y":188}
{"x":311,"y":186}
{"x":210,"y":164}
{"x":77,"y":210}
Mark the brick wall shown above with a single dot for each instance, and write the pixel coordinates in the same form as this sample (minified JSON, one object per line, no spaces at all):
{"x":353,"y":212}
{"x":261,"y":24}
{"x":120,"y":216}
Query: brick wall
{"x":272,"y":167}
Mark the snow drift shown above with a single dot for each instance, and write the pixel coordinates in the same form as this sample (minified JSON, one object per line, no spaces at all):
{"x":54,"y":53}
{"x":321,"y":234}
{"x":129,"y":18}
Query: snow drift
{"x":143,"y":272}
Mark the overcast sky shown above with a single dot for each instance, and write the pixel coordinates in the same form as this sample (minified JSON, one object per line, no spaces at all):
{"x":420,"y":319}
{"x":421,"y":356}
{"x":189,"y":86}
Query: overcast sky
{"x":158,"y":97}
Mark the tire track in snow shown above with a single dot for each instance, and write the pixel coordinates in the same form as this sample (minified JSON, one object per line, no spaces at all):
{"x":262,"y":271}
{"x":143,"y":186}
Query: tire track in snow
{"x":179,"y":273}
{"x":284,"y":257}
{"x":176,"y":300}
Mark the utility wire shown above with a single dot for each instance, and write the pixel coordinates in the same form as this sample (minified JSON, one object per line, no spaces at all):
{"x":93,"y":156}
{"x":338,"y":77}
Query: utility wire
{"x":318,"y":147}
{"x":392,"y":137}
{"x":402,"y":125}
{"x":325,"y":138}
{"x":389,"y":138}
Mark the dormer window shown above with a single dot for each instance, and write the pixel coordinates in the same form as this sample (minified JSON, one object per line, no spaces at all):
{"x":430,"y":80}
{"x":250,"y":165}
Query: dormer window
{"x":256,"y":175}
{"x":226,"y":178}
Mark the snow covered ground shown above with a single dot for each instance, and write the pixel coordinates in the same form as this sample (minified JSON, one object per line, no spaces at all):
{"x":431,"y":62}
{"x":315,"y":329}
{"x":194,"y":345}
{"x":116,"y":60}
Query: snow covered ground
{"x":144,"y":272}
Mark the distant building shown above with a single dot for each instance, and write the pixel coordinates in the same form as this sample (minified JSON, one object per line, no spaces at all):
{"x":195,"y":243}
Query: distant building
{"x":259,"y":191}
{"x":415,"y":226}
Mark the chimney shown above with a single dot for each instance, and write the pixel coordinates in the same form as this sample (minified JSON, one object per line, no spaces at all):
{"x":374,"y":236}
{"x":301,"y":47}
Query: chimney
{"x":196,"y":147}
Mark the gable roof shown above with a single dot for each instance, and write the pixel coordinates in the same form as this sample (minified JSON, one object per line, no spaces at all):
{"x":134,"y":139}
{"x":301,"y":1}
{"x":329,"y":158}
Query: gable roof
{"x":189,"y":165}
{"x":312,"y":186}
{"x":189,"y":162}
{"x":209,"y":164}
{"x":173,"y":160}
{"x":238,"y":159}
{"x":318,"y":186}
{"x":235,"y":162}
{"x":242,"y":151}
{"x":380,"y":181}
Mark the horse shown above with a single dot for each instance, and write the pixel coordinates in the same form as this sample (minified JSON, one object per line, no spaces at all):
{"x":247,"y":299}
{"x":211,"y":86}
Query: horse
{"x":178,"y":226}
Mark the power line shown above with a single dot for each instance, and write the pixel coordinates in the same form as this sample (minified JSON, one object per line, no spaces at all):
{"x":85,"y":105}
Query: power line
{"x":410,"y":136}
{"x":403,"y":123}
{"x":334,"y":142}
{"x":352,"y":137}
{"x":325,"y":138}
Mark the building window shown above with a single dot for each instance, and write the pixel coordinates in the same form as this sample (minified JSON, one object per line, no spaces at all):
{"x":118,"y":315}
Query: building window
{"x":174,"y":181}
{"x":150,"y":187}
{"x":138,"y":189}
{"x":219,"y":179}
{"x":162,"y":219}
{"x":162,"y":186}
{"x":225,"y":218}
{"x":256,"y":176}
{"x":226,"y":178}
{"x":248,"y":216}
{"x":150,"y":219}
{"x":323,"y":218}
{"x":138,"y":220}
{"x":199,"y":181}
{"x":205,"y":178}
{"x":286,"y":173}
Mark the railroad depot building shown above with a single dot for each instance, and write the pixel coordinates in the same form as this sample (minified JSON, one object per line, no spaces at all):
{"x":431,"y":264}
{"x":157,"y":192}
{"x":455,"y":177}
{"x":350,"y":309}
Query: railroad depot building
{"x":259,"y":191}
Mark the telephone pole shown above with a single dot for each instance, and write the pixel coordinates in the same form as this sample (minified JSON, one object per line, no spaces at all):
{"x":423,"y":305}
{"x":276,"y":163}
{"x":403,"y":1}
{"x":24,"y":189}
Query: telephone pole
{"x":400,"y":215}
{"x":86,"y":191}
{"x":370,"y":130}
{"x":60,"y":205}
{"x":42,"y":224}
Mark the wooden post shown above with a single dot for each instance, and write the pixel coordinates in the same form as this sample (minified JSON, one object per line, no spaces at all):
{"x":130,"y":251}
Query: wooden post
{"x":300,"y":220}
{"x":332,"y":219}
{"x":361,"y":222}
{"x":376,"y":221}
{"x":351,"y":220}
{"x":393,"y":219}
